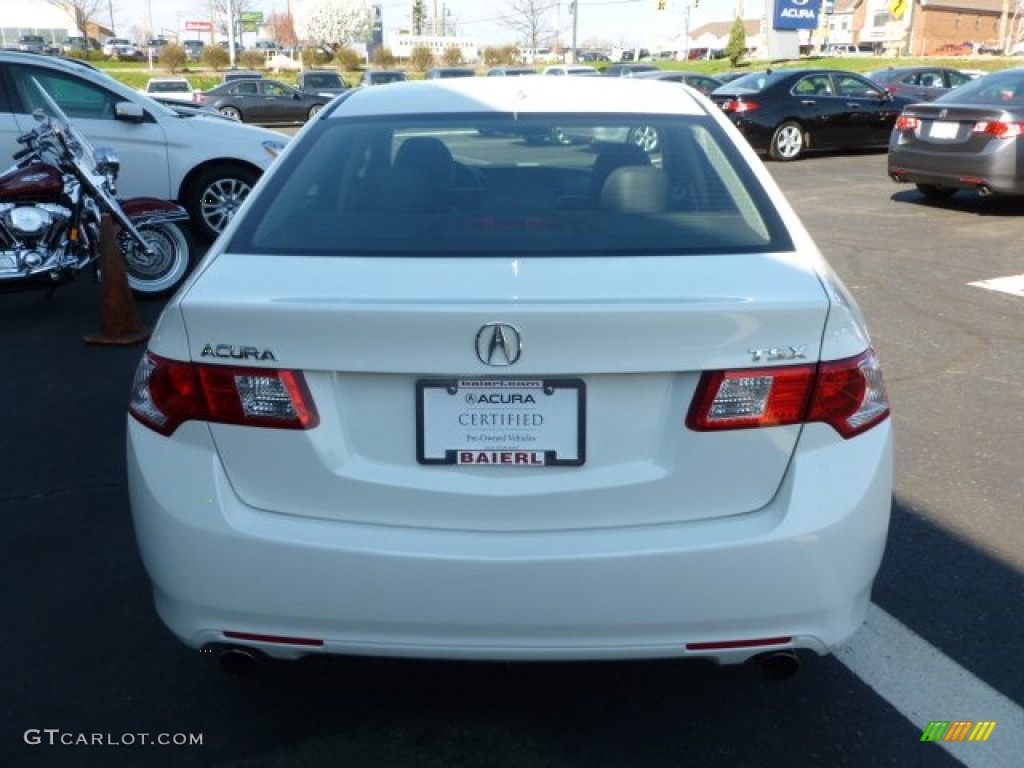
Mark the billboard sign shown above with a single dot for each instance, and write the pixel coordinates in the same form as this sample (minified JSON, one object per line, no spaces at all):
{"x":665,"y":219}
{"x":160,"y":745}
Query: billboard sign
{"x":199,"y":26}
{"x":796,"y":14}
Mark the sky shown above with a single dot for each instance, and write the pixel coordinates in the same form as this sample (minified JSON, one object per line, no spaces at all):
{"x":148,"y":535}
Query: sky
{"x":616,"y":22}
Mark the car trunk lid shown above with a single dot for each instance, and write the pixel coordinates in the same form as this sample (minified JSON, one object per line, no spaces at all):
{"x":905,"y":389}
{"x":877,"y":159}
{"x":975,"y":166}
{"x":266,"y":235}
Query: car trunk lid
{"x":628,"y":337}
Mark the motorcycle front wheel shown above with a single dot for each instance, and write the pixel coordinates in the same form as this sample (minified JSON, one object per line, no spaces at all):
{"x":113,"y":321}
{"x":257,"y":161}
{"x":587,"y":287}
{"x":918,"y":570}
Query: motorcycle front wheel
{"x":158,"y":274}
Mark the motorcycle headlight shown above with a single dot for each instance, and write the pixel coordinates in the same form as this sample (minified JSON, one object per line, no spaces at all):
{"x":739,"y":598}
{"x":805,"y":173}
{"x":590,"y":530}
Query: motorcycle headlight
{"x":107,"y":163}
{"x":27,"y":220}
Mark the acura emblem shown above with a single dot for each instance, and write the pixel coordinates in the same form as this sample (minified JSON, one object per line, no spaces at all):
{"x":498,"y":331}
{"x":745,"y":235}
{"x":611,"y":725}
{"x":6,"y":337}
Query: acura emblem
{"x":498,"y":344}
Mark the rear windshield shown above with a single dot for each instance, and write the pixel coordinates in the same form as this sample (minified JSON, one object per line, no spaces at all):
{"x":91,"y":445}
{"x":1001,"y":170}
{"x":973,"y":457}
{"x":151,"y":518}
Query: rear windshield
{"x":325,"y":80}
{"x":751,"y":83}
{"x":492,"y":185}
{"x":996,"y":88}
{"x":170,"y":86}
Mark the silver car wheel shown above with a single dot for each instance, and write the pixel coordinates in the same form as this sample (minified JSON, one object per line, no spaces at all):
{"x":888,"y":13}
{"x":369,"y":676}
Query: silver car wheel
{"x":645,"y":137}
{"x":213,"y":197}
{"x":787,"y":142}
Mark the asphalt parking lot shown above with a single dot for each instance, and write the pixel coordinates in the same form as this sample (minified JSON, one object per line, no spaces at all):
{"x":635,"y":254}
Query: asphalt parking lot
{"x":86,"y":656}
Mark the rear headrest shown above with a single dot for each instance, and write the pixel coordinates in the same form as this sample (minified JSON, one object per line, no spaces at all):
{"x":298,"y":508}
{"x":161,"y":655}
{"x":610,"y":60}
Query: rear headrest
{"x":429,"y":157}
{"x":635,"y":189}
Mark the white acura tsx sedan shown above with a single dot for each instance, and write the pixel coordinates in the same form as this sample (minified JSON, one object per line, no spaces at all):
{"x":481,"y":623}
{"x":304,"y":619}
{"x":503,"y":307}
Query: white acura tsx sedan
{"x":447,"y":387}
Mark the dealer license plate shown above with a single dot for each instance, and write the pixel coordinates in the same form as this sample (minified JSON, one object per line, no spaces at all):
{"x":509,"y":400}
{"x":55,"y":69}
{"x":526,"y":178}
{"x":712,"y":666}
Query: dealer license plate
{"x":944,"y":130}
{"x":501,"y":422}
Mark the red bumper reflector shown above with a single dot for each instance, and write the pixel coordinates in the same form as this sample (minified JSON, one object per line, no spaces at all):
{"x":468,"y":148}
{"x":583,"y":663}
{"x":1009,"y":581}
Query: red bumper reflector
{"x":726,"y":644}
{"x":273,"y":639}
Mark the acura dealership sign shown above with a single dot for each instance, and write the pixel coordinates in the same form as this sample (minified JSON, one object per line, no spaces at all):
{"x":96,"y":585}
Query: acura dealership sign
{"x":796,"y":14}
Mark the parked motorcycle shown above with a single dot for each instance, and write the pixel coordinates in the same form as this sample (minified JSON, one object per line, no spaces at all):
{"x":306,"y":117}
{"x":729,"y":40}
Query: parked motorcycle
{"x":52,"y":201}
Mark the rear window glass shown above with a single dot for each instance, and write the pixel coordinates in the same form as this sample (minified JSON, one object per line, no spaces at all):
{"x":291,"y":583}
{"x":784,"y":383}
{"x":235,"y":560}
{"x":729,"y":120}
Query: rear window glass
{"x":752,"y":83}
{"x":992,"y":89}
{"x":170,"y":86}
{"x":490,"y":185}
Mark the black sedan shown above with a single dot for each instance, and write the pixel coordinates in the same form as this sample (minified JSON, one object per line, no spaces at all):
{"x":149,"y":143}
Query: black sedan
{"x":264,"y":101}
{"x":788,"y":112}
{"x":919,"y":83}
{"x":970,"y":138}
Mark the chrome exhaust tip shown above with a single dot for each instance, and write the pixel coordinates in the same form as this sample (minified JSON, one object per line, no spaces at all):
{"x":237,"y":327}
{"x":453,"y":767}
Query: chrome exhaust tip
{"x":239,"y":662}
{"x":779,"y":665}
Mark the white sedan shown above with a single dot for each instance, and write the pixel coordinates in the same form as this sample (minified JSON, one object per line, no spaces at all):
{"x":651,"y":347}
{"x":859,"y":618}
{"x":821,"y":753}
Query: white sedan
{"x":439,"y":391}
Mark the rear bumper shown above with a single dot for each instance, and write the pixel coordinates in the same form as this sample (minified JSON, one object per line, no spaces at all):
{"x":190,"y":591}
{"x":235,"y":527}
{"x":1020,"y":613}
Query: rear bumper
{"x":994,"y":171}
{"x":802,"y":568}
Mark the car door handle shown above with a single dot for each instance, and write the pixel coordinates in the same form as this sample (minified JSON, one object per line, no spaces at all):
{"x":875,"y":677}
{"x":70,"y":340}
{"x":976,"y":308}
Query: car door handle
{"x":809,"y":102}
{"x":853,"y":104}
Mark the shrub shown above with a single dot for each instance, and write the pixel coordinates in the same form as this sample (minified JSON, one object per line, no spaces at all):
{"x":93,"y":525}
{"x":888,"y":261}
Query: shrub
{"x":421,"y":58}
{"x":452,"y":56}
{"x":347,"y":60}
{"x":252,"y":59}
{"x":173,"y":57}
{"x":215,"y":57}
{"x":314,"y":56}
{"x":385,"y":59}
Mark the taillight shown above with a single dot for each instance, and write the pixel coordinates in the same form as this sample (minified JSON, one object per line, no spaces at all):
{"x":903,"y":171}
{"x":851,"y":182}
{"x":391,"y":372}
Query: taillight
{"x":166,"y":393}
{"x":907,"y":123}
{"x":847,"y":394}
{"x":738,"y":107}
{"x":1001,"y":129}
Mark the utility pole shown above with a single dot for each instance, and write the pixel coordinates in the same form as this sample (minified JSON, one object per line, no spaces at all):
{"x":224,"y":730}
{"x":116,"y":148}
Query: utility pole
{"x":231,"y":32}
{"x":574,"y":6}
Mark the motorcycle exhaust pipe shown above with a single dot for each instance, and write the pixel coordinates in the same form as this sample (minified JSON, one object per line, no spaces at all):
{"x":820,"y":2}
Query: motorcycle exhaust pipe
{"x":239,"y":662}
{"x":779,"y":665}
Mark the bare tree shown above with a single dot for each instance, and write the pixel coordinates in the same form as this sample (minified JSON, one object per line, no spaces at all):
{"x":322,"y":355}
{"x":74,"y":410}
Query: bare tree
{"x":82,"y":11}
{"x":282,"y":29}
{"x":531,"y":19}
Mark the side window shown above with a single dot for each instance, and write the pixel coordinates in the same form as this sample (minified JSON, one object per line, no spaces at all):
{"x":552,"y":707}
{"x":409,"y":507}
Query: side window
{"x":76,"y":97}
{"x":850,"y":86}
{"x":814,"y":85}
{"x":957,"y":78}
{"x":245,"y":88}
{"x":273,"y":89}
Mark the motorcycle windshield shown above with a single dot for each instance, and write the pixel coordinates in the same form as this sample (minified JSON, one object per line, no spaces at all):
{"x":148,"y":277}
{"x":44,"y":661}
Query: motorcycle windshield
{"x":48,"y":108}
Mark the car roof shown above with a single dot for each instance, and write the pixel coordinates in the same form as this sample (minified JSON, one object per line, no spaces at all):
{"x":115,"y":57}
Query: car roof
{"x":519,"y":95}
{"x":668,"y":74}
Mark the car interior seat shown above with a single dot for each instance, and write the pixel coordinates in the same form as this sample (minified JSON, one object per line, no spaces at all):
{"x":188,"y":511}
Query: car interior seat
{"x":420,"y":179}
{"x":635,"y":189}
{"x":612,"y":157}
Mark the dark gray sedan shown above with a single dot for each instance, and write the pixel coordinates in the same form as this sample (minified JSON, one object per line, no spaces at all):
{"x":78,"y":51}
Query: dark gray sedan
{"x":701,"y":82}
{"x":923,"y":83}
{"x":264,"y":101}
{"x":970,"y":138}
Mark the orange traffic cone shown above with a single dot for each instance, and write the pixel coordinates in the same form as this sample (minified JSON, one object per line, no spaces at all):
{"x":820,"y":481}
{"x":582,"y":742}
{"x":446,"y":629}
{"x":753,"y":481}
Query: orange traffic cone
{"x":119,"y":319}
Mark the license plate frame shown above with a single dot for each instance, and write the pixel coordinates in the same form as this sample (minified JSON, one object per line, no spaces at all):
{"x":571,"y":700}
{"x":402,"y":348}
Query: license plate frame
{"x":523,"y":422}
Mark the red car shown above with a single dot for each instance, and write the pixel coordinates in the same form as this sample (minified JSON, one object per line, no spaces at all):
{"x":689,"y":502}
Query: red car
{"x":954,"y":49}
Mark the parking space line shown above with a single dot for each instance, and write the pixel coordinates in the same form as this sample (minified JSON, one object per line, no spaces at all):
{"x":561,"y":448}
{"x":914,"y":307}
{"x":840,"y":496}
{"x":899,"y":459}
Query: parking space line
{"x":925,"y":685}
{"x":1014,"y":285}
